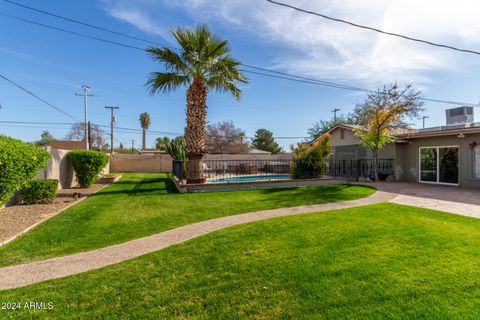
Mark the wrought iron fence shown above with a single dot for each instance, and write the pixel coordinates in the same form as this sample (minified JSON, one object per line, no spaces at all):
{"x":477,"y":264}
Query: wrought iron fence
{"x":253,"y":170}
{"x":355,"y":168}
{"x":231,"y":170}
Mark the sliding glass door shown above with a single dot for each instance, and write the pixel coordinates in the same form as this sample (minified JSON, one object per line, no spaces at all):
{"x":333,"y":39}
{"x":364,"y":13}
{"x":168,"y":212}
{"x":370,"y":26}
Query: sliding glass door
{"x":439,"y":165}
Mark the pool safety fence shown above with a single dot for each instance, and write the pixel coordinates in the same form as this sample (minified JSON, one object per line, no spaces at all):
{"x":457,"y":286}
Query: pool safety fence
{"x":225,"y":171}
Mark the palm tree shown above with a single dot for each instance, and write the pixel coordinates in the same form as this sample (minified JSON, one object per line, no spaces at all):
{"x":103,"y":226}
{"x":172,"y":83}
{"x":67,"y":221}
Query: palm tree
{"x":203,"y":63}
{"x":144,"y":123}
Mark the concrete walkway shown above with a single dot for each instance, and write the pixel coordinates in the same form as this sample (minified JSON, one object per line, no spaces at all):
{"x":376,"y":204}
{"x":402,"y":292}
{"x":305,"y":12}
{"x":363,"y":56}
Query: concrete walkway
{"x":29,"y":273}
{"x":449,"y":199}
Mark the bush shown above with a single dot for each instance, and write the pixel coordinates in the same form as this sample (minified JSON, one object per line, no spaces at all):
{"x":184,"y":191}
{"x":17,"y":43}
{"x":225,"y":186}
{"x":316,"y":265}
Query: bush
{"x":311,"y":161}
{"x":87,"y":165}
{"x":39,"y":191}
{"x":19,"y":163}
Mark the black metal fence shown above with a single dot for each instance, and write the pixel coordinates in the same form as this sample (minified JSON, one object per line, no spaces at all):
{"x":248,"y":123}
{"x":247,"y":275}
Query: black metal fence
{"x":232,"y":170}
{"x":355,"y":168}
{"x":253,"y":170}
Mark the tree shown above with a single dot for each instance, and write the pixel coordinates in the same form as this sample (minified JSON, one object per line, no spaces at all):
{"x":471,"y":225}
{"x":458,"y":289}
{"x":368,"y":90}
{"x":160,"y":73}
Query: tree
{"x":45,"y":138}
{"x":224,"y":137}
{"x":263,"y":140}
{"x":386,"y":110}
{"x":203,"y":64}
{"x":145,"y":124}
{"x":97,"y":135}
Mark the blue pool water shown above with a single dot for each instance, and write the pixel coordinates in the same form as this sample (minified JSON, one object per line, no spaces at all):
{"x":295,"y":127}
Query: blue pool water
{"x":251,"y":178}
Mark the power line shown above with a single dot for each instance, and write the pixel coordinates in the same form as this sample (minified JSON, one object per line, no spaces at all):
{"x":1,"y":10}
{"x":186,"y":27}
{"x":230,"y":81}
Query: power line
{"x":445,"y":46}
{"x":344,"y":87}
{"x":33,"y":122}
{"x":124,"y":129}
{"x":71,"y":32}
{"x":81,"y":22}
{"x":36,"y":96}
{"x":283,"y":75}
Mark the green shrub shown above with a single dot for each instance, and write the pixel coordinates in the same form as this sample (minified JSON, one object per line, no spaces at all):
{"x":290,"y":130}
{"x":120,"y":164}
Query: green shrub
{"x":39,"y":191}
{"x":19,"y":163}
{"x":311,"y":161}
{"x":87,"y":165}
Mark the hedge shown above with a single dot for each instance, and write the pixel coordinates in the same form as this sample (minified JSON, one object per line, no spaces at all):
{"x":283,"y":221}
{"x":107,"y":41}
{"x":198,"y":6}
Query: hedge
{"x":87,"y":165}
{"x":311,"y":161}
{"x":39,"y":191}
{"x":19,"y":163}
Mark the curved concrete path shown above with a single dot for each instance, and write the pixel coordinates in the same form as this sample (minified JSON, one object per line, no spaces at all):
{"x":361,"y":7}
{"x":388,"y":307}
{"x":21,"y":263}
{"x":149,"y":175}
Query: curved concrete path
{"x":33,"y":272}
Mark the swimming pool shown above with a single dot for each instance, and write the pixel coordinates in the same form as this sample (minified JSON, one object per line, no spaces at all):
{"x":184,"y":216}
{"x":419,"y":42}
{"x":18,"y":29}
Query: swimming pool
{"x":250,"y":178}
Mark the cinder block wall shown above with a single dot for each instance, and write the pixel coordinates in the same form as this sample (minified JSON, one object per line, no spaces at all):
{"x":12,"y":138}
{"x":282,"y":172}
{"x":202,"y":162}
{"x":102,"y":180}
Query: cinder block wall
{"x":163,"y":162}
{"x":140,"y":163}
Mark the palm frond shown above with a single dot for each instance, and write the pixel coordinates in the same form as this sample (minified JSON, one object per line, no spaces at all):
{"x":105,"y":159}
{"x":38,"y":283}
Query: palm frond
{"x":172,"y":61}
{"x":165,"y":82}
{"x":144,"y":120}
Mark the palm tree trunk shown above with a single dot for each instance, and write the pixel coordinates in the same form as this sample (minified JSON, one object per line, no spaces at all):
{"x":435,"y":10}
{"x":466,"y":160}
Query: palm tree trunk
{"x":195,"y":133}
{"x":144,"y":138}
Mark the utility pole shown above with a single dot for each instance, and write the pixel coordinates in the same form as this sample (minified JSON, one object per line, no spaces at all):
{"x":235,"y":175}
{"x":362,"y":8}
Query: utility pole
{"x":89,"y":135}
{"x":86,"y":93}
{"x":423,"y":119}
{"x":112,"y":122}
{"x":334,"y":111}
{"x":133,"y":142}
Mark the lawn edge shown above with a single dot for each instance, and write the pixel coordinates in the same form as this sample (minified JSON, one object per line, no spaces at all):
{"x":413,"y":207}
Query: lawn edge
{"x":36,"y":224}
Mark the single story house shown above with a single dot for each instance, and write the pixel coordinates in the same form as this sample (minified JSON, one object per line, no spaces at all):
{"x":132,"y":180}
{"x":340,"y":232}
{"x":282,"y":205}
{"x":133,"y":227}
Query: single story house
{"x":447,"y":154}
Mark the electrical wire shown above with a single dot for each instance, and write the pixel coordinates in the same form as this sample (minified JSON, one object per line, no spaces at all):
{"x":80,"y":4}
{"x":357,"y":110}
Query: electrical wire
{"x":71,"y":32}
{"x":117,"y":129}
{"x":37,"y":97}
{"x":82,"y":23}
{"x":435,"y":44}
{"x":284,"y":75}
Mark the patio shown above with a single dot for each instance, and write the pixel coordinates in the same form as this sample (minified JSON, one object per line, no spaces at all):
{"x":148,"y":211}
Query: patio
{"x":456,"y":200}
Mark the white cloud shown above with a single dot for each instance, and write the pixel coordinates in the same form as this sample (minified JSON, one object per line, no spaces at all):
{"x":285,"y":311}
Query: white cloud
{"x":327,"y":49}
{"x":137,"y":15}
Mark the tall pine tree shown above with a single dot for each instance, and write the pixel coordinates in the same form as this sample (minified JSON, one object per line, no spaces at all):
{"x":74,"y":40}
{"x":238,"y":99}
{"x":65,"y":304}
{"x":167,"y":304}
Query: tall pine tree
{"x":264,"y":140}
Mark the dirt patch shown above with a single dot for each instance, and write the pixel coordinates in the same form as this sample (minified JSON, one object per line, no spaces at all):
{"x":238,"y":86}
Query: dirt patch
{"x":15,"y":219}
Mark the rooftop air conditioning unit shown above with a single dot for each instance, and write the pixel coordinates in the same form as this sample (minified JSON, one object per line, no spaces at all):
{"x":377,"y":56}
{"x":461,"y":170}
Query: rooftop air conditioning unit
{"x":460,"y":115}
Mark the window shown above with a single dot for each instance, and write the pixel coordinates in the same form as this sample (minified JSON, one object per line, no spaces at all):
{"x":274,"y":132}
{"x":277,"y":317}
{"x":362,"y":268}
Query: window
{"x":342,"y":133}
{"x":476,"y":162}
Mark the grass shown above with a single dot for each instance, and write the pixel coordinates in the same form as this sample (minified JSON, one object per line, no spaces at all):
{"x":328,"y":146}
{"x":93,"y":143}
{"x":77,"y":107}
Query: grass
{"x":143,"y":204}
{"x":383,"y":261}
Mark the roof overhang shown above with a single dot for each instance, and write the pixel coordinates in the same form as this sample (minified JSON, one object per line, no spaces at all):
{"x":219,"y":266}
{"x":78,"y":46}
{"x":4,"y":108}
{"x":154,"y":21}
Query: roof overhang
{"x":439,"y":133}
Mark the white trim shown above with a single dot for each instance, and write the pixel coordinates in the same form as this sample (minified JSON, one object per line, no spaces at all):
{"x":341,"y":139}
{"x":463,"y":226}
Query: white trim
{"x":438,"y":165}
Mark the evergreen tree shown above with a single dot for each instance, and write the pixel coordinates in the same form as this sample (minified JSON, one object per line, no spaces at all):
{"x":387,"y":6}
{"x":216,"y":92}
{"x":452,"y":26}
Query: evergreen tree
{"x":265,"y":141}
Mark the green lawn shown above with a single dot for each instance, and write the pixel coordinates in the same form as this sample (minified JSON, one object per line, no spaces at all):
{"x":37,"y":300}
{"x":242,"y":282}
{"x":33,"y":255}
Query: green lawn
{"x":382,"y":261}
{"x":143,"y":204}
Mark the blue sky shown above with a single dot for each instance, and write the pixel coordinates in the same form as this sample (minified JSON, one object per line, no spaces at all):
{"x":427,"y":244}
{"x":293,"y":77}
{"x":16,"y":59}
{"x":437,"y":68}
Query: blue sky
{"x":54,"y":65}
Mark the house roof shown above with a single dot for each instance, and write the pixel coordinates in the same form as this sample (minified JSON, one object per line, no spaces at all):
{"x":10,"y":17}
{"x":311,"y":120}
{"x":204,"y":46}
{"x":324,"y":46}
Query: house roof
{"x":346,"y":126}
{"x":402,"y":134}
{"x":67,"y":145}
{"x":258,"y":151}
{"x":456,"y":129}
